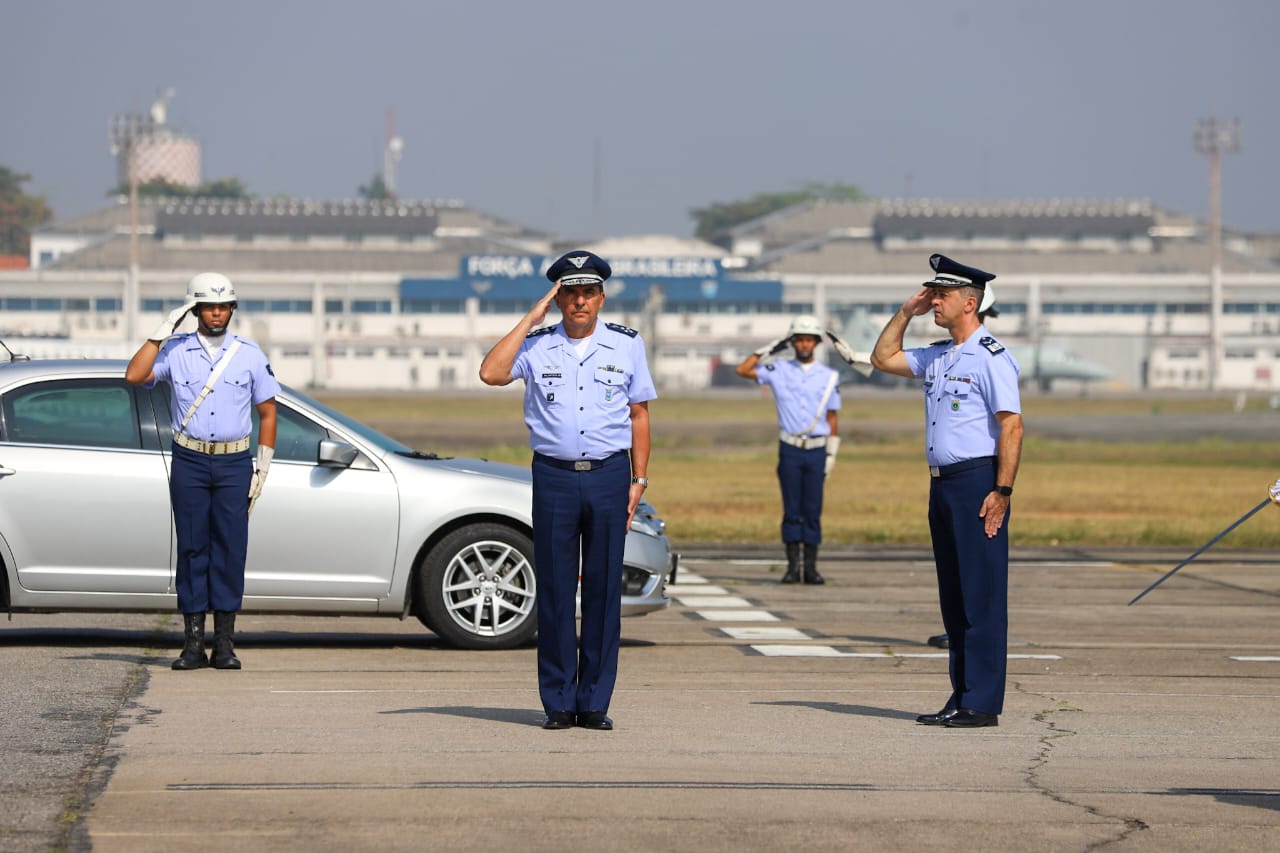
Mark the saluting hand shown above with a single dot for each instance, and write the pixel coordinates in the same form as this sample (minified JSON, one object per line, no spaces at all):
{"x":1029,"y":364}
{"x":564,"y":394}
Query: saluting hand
{"x":921,"y":303}
{"x":539,"y":311}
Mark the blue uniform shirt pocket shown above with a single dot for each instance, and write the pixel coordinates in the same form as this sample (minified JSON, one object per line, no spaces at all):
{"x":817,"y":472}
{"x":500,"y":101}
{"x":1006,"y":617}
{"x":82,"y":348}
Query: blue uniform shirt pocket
{"x":550,"y":385}
{"x":954,"y":392}
{"x":611,"y":385}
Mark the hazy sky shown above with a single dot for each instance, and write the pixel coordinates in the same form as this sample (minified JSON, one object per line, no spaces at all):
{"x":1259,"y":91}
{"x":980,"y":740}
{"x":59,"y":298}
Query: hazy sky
{"x":504,"y":104}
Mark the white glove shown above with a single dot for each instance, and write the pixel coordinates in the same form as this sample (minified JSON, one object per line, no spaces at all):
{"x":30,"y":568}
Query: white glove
{"x":833,"y":447}
{"x":260,"y":466}
{"x":171,"y":322}
{"x":859,"y":361}
{"x":773,"y":348}
{"x":1274,"y":491}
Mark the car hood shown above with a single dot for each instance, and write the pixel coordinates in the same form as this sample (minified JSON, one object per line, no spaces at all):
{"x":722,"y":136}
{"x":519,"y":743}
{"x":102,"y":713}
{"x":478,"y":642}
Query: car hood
{"x":483,"y":467}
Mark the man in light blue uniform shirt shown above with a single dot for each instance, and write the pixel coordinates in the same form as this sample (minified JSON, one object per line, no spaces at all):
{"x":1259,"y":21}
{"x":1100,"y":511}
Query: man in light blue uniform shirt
{"x":214,"y":478}
{"x":807,"y":397}
{"x":973,"y":445}
{"x":586,"y":403}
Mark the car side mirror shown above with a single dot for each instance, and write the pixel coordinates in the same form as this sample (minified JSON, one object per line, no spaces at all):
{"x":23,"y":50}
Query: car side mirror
{"x":336,"y":454}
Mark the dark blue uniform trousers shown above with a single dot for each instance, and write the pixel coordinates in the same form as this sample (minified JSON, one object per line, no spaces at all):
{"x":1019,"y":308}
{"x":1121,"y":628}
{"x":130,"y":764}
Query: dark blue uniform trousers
{"x":801,"y":474}
{"x":579,"y":521}
{"x":210,"y":496}
{"x":973,"y":587}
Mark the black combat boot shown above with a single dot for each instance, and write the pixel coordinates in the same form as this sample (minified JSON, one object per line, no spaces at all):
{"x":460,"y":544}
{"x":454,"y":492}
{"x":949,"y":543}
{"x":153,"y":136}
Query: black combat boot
{"x":793,"y":563}
{"x":811,"y":564}
{"x":224,"y":653}
{"x":193,"y":656}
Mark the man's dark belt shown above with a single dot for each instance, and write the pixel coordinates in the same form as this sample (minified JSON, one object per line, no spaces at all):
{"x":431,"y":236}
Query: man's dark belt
{"x":957,"y":467}
{"x":578,"y":464}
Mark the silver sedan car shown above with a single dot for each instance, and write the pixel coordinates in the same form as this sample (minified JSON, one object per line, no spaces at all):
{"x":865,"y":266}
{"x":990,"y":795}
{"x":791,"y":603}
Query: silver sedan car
{"x":350,"y":521}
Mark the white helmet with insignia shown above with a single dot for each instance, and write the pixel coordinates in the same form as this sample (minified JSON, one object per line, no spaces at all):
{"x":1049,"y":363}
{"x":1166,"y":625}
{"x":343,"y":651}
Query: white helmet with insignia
{"x":805,"y":324}
{"x":210,"y":288}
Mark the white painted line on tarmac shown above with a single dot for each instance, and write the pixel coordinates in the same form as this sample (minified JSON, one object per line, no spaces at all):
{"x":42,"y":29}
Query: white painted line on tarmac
{"x":737,"y":615}
{"x":1255,"y":658}
{"x":783,"y":650}
{"x":696,"y":589}
{"x":688,"y":577}
{"x":765,"y":633}
{"x":713,"y":601}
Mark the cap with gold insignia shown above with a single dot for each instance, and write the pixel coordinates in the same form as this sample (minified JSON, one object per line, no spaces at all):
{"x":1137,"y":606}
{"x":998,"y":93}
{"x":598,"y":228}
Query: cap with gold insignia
{"x":949,"y":273}
{"x":580,"y":267}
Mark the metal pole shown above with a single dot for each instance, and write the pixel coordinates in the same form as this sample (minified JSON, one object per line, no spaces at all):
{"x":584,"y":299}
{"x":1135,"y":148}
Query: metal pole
{"x":1213,"y":141}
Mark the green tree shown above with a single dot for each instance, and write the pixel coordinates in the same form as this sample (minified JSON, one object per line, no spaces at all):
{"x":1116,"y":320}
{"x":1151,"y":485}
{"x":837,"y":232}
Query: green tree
{"x":19,"y":213}
{"x":376,"y":190}
{"x":162,"y":188}
{"x":718,"y":217}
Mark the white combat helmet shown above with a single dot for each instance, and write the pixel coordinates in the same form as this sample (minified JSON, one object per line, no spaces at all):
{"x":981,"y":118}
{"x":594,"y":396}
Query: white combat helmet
{"x":211,"y":288}
{"x":805,"y":324}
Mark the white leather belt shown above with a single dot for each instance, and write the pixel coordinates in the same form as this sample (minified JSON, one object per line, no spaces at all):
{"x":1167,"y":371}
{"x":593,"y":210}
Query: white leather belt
{"x":212,"y":448}
{"x":804,"y":442}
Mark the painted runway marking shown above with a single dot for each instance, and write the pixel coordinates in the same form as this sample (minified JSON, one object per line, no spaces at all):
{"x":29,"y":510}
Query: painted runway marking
{"x":695,"y":589}
{"x":765,"y":633}
{"x":737,"y":615}
{"x":1255,"y":658}
{"x":696,"y":601}
{"x":783,"y":650}
{"x":689,"y":577}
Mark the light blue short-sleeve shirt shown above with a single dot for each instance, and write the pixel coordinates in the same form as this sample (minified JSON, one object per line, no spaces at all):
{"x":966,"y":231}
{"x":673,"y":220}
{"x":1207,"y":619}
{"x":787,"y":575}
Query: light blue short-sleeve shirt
{"x":225,"y":414}
{"x":963,"y":389}
{"x":798,"y":392}
{"x":578,"y":407}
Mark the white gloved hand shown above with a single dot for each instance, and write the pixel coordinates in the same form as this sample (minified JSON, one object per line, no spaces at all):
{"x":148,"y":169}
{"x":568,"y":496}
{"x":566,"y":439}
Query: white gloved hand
{"x":171,"y":322}
{"x":1274,"y":491}
{"x":859,"y":361}
{"x":833,"y":447}
{"x":773,"y":348}
{"x":260,"y":466}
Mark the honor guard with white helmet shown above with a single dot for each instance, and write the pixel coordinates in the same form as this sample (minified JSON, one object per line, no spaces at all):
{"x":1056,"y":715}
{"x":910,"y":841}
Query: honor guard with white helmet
{"x":216,"y":379}
{"x":973,"y":446}
{"x":807,"y":396}
{"x":586,"y":403}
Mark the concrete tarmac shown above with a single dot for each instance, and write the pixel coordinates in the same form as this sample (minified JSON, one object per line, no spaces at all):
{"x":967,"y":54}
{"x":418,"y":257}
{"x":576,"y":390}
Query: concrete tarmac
{"x":750,"y":716}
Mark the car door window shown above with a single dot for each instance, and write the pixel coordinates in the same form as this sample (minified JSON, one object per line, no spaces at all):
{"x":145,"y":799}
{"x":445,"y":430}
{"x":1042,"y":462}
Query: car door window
{"x":297,"y":437}
{"x":72,"y":412}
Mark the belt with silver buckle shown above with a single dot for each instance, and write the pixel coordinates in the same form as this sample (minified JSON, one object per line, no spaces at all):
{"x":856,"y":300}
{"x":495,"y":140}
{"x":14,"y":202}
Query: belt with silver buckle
{"x":578,"y":464}
{"x":212,"y":448}
{"x":957,"y":467}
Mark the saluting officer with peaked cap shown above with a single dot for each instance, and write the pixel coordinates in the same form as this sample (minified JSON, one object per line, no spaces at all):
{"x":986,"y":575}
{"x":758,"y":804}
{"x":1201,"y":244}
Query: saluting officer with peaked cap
{"x":579,"y":267}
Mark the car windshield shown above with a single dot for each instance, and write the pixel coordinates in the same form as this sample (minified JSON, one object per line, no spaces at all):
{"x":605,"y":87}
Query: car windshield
{"x":365,"y":431}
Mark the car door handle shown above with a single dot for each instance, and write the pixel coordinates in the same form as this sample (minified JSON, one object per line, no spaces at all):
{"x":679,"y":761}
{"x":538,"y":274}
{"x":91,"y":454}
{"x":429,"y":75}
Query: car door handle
{"x":5,"y":472}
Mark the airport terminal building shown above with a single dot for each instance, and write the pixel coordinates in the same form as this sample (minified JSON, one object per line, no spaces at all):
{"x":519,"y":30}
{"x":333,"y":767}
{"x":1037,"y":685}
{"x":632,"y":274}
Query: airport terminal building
{"x":409,"y":295}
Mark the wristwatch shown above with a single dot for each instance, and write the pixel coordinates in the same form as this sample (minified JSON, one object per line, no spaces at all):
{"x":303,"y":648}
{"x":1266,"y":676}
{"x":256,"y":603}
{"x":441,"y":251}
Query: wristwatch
{"x":642,"y":481}
{"x":1005,"y":490}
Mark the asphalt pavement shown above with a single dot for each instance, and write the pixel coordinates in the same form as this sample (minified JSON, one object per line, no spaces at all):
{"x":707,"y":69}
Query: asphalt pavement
{"x":750,"y":716}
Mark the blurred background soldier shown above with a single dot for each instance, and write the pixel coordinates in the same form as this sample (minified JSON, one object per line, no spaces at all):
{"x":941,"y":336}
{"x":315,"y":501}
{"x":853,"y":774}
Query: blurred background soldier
{"x":807,"y":398}
{"x":215,"y":378}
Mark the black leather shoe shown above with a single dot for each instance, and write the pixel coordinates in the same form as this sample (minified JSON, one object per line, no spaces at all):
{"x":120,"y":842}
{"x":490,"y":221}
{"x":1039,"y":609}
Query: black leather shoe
{"x":595,"y":720}
{"x":940,"y":641}
{"x":791,"y":576}
{"x":967,"y":719}
{"x":938,"y":719}
{"x":558,"y":720}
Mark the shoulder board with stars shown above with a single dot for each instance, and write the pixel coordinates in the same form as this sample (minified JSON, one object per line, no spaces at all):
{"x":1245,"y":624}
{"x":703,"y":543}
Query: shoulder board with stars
{"x":621,"y":329}
{"x":991,"y":345}
{"x":543,"y":331}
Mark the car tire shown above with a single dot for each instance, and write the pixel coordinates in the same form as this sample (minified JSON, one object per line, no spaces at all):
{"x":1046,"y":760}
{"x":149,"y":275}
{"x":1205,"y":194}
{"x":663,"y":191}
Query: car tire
{"x":477,"y":590}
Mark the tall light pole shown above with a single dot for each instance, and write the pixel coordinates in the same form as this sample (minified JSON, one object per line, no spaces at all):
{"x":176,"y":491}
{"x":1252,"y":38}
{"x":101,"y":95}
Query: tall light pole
{"x":124,"y":132}
{"x":1213,"y":140}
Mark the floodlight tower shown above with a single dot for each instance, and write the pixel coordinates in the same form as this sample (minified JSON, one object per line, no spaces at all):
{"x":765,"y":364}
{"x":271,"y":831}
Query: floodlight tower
{"x":1213,"y":140}
{"x":391,"y":154}
{"x":123,"y":132}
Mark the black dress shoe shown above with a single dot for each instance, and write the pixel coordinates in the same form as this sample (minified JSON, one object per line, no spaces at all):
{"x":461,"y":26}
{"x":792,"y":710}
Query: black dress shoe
{"x":595,"y":720}
{"x":967,"y":719}
{"x":558,"y":720}
{"x":940,"y":641}
{"x":938,"y":719}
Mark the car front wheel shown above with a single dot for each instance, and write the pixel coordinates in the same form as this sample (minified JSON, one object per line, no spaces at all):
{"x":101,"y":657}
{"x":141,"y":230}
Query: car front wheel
{"x":476,"y":588}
